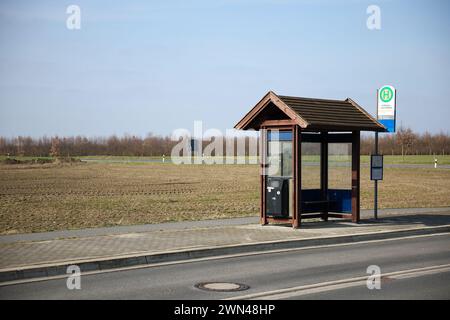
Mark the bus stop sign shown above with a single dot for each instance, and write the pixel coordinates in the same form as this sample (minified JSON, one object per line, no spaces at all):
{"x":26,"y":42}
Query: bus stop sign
{"x":386,"y":107}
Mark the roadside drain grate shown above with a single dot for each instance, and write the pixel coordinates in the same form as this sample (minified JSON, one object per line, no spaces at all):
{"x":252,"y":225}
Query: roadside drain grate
{"x":222,"y":286}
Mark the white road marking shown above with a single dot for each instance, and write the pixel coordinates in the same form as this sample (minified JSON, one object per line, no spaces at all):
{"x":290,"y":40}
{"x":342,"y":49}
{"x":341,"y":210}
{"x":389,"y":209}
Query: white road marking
{"x":338,"y":284}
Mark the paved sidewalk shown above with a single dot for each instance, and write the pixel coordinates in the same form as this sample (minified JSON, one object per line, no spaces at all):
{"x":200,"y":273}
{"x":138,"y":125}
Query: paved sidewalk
{"x":198,"y":235}
{"x":90,"y":232}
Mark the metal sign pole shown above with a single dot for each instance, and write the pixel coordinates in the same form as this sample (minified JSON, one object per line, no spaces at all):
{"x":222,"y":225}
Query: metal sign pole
{"x":375,"y":207}
{"x":375,"y":203}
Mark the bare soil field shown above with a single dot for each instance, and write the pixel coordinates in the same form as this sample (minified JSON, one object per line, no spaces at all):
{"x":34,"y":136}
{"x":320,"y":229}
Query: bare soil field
{"x":45,"y":197}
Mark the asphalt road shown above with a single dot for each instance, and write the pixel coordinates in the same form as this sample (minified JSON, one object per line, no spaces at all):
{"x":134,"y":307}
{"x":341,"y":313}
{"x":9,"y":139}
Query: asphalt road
{"x":267,"y":272}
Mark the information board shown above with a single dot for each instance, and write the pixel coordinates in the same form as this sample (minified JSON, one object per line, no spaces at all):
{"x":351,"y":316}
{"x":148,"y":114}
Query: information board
{"x":376,"y":167}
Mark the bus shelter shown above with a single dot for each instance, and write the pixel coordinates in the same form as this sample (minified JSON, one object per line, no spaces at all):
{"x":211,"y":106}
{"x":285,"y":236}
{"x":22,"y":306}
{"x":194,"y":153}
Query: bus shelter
{"x":310,"y":159}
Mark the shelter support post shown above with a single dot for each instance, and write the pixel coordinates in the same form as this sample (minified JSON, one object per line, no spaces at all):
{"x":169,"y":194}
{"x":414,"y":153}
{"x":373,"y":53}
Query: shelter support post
{"x":263,"y":158}
{"x":324,"y":172}
{"x":297,"y":165}
{"x":355,"y":176}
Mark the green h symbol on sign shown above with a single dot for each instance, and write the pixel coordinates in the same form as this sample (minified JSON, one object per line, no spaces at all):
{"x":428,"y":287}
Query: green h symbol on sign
{"x":386,"y":94}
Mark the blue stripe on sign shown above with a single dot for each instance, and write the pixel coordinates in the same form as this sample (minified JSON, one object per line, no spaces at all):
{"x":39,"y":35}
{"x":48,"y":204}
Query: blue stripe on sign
{"x":389,"y":124}
{"x":282,"y":136}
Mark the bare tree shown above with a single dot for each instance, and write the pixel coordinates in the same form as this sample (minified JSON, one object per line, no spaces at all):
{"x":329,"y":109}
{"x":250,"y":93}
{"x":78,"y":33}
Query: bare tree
{"x":55,"y":150}
{"x":405,"y":138}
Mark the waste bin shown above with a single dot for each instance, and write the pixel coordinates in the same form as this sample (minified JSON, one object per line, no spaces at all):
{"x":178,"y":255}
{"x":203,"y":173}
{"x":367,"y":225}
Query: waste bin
{"x":277,"y":196}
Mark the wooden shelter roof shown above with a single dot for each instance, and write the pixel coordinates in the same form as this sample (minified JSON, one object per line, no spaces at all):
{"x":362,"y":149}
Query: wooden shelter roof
{"x":310,"y":114}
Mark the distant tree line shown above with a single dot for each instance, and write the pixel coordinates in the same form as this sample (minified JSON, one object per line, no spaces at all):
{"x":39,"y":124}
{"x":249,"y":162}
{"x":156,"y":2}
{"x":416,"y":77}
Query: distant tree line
{"x":407,"y":142}
{"x":404,"y":142}
{"x":83,"y":146}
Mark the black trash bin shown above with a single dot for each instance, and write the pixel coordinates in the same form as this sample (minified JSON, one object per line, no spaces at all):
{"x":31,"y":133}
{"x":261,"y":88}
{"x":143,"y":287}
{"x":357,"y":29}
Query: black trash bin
{"x":277,"y":197}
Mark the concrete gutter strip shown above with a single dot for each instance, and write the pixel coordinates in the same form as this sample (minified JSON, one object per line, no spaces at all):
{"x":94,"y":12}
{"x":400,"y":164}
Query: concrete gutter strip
{"x":114,"y":262}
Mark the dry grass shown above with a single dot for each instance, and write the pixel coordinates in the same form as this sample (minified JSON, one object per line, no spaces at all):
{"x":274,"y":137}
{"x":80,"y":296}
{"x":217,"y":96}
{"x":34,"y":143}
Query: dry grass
{"x":52,"y":197}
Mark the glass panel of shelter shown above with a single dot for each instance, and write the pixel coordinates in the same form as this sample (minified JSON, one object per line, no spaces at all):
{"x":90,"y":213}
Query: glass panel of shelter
{"x":331,"y":193}
{"x":312,"y":198}
{"x":340,"y":177}
{"x":279,"y":178}
{"x":310,"y":162}
{"x":333,"y":196}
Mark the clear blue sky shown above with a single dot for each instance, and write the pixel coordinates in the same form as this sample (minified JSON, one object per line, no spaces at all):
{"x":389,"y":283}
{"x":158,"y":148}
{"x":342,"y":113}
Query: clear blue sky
{"x":154,"y":66}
